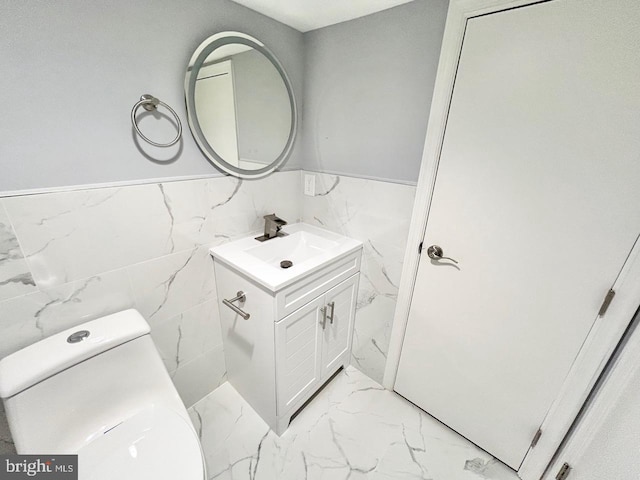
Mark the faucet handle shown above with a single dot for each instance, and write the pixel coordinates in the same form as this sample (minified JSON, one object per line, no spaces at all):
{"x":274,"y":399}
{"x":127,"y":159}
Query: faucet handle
{"x":272,"y":226}
{"x":274,"y":218}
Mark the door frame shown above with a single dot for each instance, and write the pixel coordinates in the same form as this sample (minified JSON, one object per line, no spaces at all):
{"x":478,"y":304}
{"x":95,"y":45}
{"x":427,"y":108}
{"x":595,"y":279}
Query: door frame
{"x":614,"y":383}
{"x":605,"y":333}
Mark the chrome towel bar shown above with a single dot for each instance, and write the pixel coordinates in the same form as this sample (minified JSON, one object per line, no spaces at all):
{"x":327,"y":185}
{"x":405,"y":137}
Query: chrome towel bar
{"x":240,"y":296}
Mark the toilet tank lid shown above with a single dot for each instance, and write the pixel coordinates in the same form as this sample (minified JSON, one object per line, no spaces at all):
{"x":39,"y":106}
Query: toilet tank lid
{"x":49,"y":356}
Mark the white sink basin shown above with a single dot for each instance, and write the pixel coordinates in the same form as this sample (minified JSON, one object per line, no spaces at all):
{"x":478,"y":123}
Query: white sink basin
{"x":309,"y":248}
{"x":297,"y":247}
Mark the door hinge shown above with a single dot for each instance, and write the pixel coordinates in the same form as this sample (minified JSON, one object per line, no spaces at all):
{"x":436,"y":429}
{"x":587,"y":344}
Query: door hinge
{"x":536,"y":438}
{"x":420,"y":248}
{"x":564,"y":471}
{"x":607,"y":301}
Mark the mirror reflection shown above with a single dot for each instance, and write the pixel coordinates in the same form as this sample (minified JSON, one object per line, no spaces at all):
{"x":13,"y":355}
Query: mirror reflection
{"x":240,"y":106}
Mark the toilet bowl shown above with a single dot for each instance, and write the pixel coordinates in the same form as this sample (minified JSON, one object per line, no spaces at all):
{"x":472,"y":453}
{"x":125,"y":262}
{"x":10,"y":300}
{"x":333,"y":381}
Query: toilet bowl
{"x":101,"y":390}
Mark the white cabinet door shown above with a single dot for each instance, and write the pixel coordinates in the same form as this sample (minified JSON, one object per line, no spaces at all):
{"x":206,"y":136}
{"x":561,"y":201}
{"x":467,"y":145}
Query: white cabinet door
{"x":340,"y":302}
{"x":298,"y":338}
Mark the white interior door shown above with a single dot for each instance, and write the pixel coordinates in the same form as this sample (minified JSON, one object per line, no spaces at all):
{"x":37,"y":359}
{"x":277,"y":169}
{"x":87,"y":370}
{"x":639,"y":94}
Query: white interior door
{"x":214,"y":95}
{"x":537,"y":197}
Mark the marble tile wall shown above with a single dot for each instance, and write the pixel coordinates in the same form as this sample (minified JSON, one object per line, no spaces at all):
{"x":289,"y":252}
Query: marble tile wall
{"x":378,"y":214}
{"x":70,"y":257}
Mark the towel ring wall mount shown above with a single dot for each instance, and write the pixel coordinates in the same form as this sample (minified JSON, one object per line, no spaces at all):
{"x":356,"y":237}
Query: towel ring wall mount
{"x":150,"y":103}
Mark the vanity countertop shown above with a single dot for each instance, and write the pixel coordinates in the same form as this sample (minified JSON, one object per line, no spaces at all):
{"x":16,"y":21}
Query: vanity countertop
{"x":309,"y":248}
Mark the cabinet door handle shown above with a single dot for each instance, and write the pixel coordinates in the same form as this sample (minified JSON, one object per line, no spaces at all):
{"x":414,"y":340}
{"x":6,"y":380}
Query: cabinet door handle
{"x":324,"y":317}
{"x":332,"y":305}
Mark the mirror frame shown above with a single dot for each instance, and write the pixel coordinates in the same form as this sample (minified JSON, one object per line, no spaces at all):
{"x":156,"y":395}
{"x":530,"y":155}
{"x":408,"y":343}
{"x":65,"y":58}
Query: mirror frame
{"x":196,"y":61}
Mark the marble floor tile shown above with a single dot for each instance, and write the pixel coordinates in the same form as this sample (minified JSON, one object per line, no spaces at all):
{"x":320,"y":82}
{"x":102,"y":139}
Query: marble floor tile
{"x":354,"y":429}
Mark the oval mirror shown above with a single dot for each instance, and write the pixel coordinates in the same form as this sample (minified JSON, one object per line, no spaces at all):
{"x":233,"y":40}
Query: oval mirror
{"x":240,"y":105}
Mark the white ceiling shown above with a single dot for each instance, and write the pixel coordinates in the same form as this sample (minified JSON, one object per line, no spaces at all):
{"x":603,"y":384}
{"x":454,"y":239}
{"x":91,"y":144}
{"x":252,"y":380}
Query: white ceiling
{"x":305,"y":15}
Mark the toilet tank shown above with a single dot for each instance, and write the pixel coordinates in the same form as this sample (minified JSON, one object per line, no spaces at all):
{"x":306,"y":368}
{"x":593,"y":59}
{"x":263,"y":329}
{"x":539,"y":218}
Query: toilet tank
{"x":59,"y":396}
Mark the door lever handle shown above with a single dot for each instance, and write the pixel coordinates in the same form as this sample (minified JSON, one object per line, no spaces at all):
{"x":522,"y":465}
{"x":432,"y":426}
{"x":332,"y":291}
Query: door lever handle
{"x":435,"y":252}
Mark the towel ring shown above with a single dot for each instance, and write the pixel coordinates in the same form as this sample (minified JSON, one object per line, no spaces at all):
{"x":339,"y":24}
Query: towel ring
{"x":150,"y":103}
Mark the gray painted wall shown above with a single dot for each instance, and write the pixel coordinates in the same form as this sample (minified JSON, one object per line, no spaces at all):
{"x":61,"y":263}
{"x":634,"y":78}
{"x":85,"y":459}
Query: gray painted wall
{"x":368,"y":88}
{"x":73,"y":69}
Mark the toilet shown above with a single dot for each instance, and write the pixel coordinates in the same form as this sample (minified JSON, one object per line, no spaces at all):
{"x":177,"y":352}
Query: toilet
{"x":101,"y":390}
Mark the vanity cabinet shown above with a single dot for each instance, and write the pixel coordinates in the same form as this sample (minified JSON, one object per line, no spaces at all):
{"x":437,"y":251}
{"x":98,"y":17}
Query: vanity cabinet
{"x":313,"y":342}
{"x":295,"y":338}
